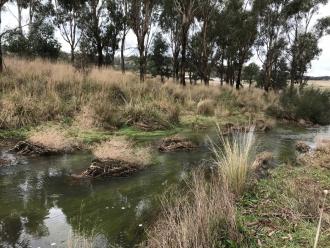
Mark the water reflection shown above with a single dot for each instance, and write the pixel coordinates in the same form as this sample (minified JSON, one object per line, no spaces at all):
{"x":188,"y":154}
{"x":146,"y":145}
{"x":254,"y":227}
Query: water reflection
{"x":40,"y":204}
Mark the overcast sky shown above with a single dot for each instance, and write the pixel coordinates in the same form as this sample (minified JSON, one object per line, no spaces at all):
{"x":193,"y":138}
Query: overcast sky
{"x":320,"y":66}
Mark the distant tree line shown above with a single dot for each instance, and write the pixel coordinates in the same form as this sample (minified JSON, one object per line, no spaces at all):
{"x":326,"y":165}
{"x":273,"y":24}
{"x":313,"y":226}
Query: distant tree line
{"x":175,"y":38}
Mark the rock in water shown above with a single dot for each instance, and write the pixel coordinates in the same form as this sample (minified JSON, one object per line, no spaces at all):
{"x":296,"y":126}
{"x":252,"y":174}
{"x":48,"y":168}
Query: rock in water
{"x":109,"y":168}
{"x":29,"y":149}
{"x":302,"y":147}
{"x":176,"y":143}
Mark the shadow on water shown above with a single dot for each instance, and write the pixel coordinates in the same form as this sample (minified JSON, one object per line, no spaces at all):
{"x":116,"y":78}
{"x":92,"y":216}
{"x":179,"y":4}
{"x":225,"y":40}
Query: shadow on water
{"x":40,"y":204}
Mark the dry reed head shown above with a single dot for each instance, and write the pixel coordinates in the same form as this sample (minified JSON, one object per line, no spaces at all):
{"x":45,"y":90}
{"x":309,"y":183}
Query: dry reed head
{"x":52,"y":138}
{"x":120,"y":148}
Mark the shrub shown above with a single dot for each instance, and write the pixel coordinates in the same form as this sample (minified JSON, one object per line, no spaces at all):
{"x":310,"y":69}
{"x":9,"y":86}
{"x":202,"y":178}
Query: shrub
{"x":309,"y":104}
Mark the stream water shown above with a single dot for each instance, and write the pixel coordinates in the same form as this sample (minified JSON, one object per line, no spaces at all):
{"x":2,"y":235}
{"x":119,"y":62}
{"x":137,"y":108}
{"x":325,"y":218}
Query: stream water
{"x":41,"y":205}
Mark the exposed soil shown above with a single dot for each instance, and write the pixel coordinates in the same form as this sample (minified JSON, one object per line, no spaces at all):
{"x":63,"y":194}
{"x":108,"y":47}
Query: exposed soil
{"x":109,"y":168}
{"x":176,"y":143}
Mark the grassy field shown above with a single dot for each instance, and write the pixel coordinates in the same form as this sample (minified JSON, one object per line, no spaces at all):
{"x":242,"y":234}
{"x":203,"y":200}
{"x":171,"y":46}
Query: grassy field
{"x":320,"y":84}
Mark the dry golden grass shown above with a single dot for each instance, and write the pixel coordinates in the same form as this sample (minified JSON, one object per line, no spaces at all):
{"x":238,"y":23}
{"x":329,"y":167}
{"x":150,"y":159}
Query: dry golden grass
{"x":120,"y":148}
{"x":53,"y":138}
{"x":206,"y":107}
{"x":322,"y":84}
{"x":37,"y":91}
{"x":200,"y":218}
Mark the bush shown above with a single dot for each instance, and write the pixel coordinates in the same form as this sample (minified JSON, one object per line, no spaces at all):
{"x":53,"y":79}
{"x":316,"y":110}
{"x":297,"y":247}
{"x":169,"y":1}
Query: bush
{"x":309,"y":104}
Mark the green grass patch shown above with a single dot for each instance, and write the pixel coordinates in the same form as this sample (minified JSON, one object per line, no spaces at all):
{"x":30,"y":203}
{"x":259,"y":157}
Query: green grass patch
{"x":282,"y":211}
{"x":16,"y":134}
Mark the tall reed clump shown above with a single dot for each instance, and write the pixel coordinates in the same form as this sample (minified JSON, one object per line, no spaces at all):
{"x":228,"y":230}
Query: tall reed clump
{"x":233,"y":158}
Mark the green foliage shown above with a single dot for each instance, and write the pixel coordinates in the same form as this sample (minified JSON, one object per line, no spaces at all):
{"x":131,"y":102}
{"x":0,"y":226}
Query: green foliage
{"x":159,"y":63}
{"x":251,"y":72}
{"x":40,"y":40}
{"x":308,"y":104}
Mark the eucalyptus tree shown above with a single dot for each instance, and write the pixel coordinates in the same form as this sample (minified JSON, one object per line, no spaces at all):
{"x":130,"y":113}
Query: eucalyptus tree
{"x":158,"y":58}
{"x":124,"y":6}
{"x":206,"y":14}
{"x":187,"y":10}
{"x":302,"y":37}
{"x":271,"y":40}
{"x":251,"y":73}
{"x":2,"y":4}
{"x":242,"y":22}
{"x":66,"y":19}
{"x":100,"y":23}
{"x":170,"y":22}
{"x":141,"y":19}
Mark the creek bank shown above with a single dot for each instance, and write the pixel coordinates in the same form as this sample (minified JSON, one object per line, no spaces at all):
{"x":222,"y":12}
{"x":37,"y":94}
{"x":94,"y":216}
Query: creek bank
{"x":176,"y":143}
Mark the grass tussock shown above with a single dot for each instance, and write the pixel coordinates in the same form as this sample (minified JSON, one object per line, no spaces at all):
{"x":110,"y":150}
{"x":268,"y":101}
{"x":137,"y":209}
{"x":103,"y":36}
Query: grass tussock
{"x":119,"y":148}
{"x":206,"y":107}
{"x":233,"y":158}
{"x":204,"y":217}
{"x":33,"y":92}
{"x":53,"y":138}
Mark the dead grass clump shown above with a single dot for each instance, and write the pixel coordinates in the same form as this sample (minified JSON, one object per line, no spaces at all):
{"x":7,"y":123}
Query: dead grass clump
{"x":206,"y":107}
{"x":204,"y":217}
{"x":119,"y":148}
{"x":53,"y":138}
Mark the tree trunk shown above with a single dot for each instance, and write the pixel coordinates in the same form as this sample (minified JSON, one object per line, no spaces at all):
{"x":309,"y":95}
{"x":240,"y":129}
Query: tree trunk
{"x":183,"y":54}
{"x":176,"y":65}
{"x":239,"y":74}
{"x":100,"y":55}
{"x":142,"y":62}
{"x":19,"y":18}
{"x":72,"y":54}
{"x":122,"y":49}
{"x":1,"y":61}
